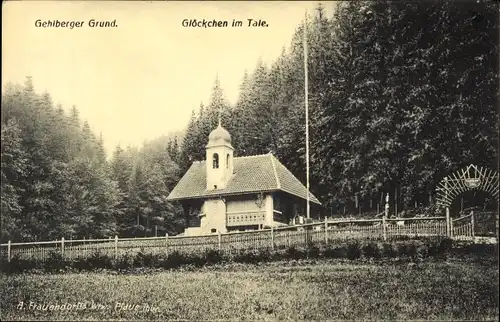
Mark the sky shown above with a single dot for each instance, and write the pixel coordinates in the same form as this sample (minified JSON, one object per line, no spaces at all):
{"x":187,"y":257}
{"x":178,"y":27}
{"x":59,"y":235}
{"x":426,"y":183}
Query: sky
{"x":141,"y":79}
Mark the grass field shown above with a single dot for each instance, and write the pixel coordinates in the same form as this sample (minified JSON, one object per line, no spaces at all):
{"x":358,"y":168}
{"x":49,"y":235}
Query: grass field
{"x":326,"y":289}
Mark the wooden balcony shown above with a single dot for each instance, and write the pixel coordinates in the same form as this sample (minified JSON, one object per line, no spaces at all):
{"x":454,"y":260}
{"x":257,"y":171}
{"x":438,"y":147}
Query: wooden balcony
{"x":245,"y":218}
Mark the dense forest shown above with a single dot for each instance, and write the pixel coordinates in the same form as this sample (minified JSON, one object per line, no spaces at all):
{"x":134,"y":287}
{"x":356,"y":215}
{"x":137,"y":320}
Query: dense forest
{"x":400,"y":95}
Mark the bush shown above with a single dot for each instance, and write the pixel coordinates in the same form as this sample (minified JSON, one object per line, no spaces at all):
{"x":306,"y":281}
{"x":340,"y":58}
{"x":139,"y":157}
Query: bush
{"x":439,"y":248}
{"x":147,"y":260}
{"x":433,"y":249}
{"x":332,"y":251}
{"x":353,"y":250}
{"x":81,"y":263}
{"x":478,"y":251}
{"x":295,"y":253}
{"x":246,"y":256}
{"x":125,"y":261}
{"x":18,"y":264}
{"x":445,"y":245}
{"x":264,"y":255}
{"x":250,"y":256}
{"x":212,"y":257}
{"x":482,"y":249}
{"x":388,"y":250}
{"x":56,"y":261}
{"x":175,"y":260}
{"x":371,"y":250}
{"x":99,"y":260}
{"x":407,"y":249}
{"x":313,"y":252}
{"x":422,"y":251}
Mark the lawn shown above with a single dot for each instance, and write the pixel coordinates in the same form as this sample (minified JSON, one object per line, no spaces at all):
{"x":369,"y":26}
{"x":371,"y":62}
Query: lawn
{"x":325,"y":289}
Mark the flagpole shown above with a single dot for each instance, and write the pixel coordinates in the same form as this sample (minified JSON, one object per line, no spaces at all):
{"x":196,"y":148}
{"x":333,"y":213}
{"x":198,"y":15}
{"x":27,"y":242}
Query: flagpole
{"x":306,"y":96}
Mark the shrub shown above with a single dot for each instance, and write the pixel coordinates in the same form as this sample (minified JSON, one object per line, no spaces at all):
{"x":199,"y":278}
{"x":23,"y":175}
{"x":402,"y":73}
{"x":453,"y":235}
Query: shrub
{"x":388,"y":250}
{"x":264,"y":255}
{"x":55,"y":261}
{"x":125,"y":261}
{"x":481,"y":249}
{"x":277,"y":255}
{"x":353,"y":250}
{"x":193,"y":259}
{"x":147,"y":260}
{"x":409,"y":249}
{"x":138,"y":260}
{"x":258,"y":255}
{"x":439,"y":248}
{"x":478,"y":251}
{"x":433,"y":249}
{"x":328,"y":251}
{"x":422,"y":251}
{"x":175,"y":260}
{"x":250,"y":256}
{"x":212,"y":257}
{"x":295,"y":253}
{"x":371,"y":250}
{"x":335,"y":251}
{"x":99,"y":260}
{"x":313,"y":251}
{"x":81,"y":263}
{"x":19,"y":264}
{"x":445,"y":245}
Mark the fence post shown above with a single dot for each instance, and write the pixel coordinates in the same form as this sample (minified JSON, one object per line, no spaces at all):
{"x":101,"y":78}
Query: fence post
{"x":451,"y":227}
{"x":219,"y":238}
{"x":272,"y":238}
{"x":8,"y":251}
{"x":62,"y":246}
{"x":448,"y":225}
{"x":326,"y":230}
{"x":387,"y":206}
{"x":472,"y":224}
{"x":384,"y":228}
{"x":116,"y":246}
{"x":166,"y":243}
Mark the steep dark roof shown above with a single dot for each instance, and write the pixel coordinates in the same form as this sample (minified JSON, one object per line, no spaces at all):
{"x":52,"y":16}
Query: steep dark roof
{"x":252,"y":174}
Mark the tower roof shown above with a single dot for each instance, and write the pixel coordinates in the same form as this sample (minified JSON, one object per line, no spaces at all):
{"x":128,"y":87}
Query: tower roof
{"x":219,"y":136}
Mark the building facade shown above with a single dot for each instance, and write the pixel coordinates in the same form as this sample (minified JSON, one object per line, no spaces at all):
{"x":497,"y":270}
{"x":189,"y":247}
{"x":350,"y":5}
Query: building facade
{"x":224,"y":193}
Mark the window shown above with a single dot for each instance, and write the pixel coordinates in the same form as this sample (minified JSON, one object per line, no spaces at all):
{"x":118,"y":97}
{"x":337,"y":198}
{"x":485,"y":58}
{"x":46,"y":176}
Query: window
{"x":227,"y":161}
{"x":213,"y":230}
{"x":216,"y":161}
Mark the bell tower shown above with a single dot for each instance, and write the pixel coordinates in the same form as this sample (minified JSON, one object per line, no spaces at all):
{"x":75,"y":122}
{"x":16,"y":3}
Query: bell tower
{"x":219,"y":156}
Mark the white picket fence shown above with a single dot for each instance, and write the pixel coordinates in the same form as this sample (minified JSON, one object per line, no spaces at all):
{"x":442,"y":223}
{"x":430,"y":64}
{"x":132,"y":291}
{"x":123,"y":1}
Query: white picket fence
{"x":328,"y":231}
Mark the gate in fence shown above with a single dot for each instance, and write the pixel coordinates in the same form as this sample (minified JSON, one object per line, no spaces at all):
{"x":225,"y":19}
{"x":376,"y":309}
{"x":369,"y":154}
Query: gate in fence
{"x":463,"y":228}
{"x":469,"y":178}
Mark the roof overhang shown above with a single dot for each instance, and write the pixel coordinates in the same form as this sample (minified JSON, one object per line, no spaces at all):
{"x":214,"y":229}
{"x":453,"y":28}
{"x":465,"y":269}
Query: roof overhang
{"x":220,"y":194}
{"x":229,"y":194}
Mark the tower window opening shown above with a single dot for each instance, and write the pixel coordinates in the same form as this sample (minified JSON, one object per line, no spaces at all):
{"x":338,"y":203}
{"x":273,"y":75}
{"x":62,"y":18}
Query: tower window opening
{"x":216,"y":161}
{"x":227,"y":161}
